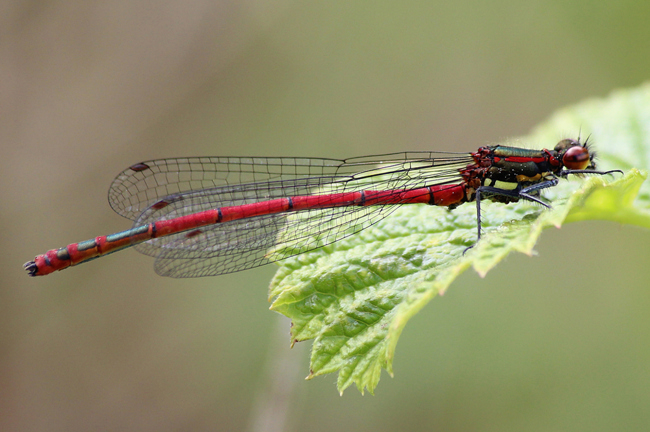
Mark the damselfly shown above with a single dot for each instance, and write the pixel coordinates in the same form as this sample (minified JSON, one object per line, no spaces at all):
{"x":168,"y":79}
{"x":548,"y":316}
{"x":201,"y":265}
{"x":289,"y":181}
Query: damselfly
{"x":204,"y":216}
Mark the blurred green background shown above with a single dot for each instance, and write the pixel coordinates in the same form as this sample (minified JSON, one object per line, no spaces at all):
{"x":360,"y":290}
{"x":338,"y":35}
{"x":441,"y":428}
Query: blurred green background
{"x":555,"y":342}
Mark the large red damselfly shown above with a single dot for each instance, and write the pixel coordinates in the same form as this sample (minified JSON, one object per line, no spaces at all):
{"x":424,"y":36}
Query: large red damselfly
{"x":204,"y":216}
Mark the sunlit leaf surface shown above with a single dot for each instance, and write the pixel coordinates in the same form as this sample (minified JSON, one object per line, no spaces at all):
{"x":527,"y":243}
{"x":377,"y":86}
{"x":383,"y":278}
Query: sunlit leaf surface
{"x":354,"y":297}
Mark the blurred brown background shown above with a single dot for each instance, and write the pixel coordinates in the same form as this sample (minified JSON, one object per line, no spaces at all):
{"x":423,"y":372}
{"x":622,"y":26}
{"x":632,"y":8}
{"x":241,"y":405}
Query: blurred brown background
{"x":555,"y":342}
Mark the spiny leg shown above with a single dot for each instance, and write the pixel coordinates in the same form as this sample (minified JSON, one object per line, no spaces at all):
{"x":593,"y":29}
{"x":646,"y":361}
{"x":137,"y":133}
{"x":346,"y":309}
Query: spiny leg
{"x":515,"y":194}
{"x":565,"y":173}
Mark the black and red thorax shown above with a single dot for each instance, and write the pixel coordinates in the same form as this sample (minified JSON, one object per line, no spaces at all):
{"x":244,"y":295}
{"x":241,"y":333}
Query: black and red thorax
{"x":498,"y":165}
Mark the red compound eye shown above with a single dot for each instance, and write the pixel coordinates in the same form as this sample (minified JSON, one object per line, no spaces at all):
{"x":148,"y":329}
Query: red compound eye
{"x":576,"y":158}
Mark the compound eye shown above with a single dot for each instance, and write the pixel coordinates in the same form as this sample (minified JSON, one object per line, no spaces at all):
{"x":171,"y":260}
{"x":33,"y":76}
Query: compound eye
{"x":576,"y":158}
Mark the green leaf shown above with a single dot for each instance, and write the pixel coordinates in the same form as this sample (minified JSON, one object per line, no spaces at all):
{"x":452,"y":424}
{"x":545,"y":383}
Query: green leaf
{"x":354,"y":297}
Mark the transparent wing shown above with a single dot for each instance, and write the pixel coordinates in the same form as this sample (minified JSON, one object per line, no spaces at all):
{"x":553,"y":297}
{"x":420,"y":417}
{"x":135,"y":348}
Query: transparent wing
{"x":170,"y":188}
{"x":222,"y":181}
{"x":277,"y":236}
